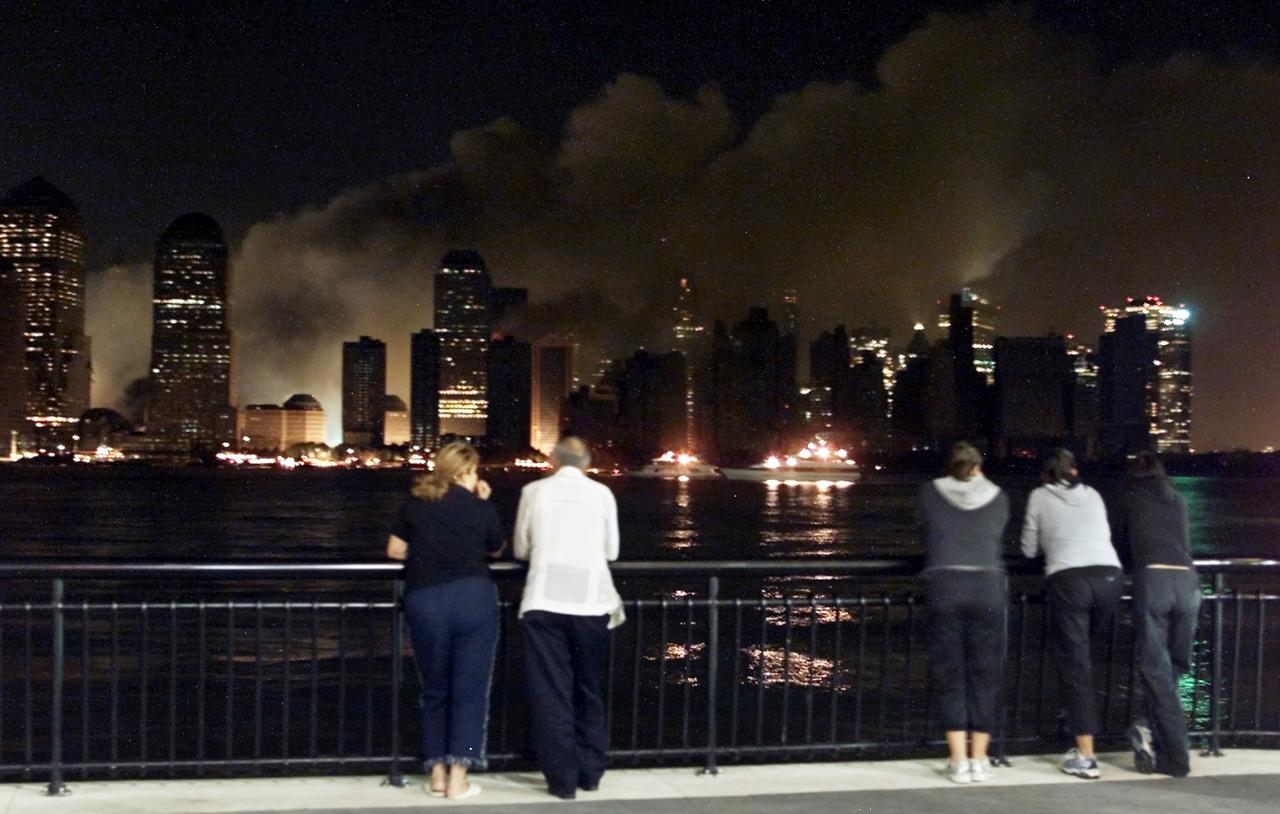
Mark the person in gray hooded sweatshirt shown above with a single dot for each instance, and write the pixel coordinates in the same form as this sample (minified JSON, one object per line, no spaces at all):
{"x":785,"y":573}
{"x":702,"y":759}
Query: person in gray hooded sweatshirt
{"x":962,"y":519}
{"x":1067,"y":520}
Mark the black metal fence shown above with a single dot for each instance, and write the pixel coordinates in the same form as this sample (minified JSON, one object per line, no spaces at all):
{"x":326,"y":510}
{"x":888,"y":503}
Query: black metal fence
{"x":143,"y":670}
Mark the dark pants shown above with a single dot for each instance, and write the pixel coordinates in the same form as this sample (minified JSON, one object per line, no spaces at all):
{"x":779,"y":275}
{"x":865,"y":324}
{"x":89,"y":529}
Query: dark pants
{"x":967,"y":612}
{"x":454,"y":627}
{"x":1082,"y":604}
{"x":1166,"y":605}
{"x":565,"y":660}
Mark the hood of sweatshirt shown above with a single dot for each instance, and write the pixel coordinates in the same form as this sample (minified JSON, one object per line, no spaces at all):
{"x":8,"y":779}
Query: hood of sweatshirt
{"x":1070,"y":494}
{"x":1154,"y":487}
{"x":967,"y":495}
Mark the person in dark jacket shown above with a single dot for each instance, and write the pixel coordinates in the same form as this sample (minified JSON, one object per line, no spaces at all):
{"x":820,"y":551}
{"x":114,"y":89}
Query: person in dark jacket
{"x":962,"y":519}
{"x":444,"y":534}
{"x":1150,"y":526}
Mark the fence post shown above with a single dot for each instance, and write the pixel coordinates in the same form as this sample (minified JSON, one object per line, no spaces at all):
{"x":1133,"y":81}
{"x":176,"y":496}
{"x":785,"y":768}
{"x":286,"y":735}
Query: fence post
{"x":713,"y":673}
{"x":1215,"y":707}
{"x":396,"y":777}
{"x":56,"y":786}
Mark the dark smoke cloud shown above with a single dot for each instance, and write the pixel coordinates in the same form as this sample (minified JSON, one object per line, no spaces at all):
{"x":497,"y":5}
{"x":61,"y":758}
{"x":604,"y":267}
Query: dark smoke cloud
{"x":990,"y":151}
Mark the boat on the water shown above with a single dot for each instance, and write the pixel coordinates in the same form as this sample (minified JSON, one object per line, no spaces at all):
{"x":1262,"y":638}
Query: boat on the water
{"x":816,"y":462}
{"x":679,"y":466}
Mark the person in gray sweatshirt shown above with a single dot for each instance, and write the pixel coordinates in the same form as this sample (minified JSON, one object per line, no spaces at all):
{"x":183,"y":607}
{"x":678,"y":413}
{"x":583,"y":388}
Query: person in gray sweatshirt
{"x":962,"y":518}
{"x":1067,"y":521}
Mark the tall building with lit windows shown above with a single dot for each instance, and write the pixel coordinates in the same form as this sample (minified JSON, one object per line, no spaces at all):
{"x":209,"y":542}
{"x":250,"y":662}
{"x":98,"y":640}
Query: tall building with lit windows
{"x":969,"y":322}
{"x":13,"y":377}
{"x":464,"y":325}
{"x":191,"y":402}
{"x":41,"y":235}
{"x":1146,"y":375}
{"x":691,"y":339}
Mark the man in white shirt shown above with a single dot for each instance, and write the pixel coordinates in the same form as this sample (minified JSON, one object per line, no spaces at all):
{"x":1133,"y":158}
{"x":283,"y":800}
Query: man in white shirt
{"x":567,"y":528}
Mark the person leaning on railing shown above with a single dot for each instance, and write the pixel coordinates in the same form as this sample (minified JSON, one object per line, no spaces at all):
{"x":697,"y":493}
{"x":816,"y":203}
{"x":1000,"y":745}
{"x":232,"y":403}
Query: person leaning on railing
{"x":1067,"y":520}
{"x":444,"y":533}
{"x":1149,"y":523}
{"x":962,"y":520}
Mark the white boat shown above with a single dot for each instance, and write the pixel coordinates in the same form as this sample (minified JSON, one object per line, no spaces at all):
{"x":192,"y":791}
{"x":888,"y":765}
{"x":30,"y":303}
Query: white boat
{"x":815,"y":463}
{"x":676,"y":466}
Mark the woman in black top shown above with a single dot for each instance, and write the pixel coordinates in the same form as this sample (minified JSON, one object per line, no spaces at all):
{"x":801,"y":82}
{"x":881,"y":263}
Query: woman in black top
{"x":1150,"y":526}
{"x":444,"y":534}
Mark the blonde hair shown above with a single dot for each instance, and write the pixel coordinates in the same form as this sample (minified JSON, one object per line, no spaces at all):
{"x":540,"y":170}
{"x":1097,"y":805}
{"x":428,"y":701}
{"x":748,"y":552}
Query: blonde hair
{"x":451,"y":461}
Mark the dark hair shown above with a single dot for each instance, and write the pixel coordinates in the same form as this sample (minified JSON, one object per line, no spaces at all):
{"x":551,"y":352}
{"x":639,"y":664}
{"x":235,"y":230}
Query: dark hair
{"x":963,"y":460}
{"x":1060,"y":467}
{"x":1146,"y":464}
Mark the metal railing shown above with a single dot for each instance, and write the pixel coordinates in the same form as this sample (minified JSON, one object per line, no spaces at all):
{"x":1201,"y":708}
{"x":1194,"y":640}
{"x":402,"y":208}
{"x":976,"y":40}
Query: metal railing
{"x":176,"y":669}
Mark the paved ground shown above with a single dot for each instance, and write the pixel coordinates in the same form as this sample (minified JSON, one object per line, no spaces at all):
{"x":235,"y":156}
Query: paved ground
{"x":1244,"y":781}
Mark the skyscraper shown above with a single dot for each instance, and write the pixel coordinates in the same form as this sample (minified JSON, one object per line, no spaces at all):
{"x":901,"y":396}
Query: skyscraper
{"x":190,"y":340}
{"x":691,"y":340}
{"x":364,"y":388}
{"x":551,"y":382}
{"x":651,"y":404}
{"x":464,"y":325}
{"x":510,"y":392}
{"x":13,"y":379}
{"x":1145,"y":389}
{"x":424,"y":388}
{"x":969,"y":321}
{"x":1033,"y":394}
{"x":40,"y":234}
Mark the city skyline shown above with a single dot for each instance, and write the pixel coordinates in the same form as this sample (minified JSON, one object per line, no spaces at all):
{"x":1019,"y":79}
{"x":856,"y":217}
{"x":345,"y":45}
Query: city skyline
{"x":1053,"y":161}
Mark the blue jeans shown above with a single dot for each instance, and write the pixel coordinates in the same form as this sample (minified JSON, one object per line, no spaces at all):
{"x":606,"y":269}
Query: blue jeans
{"x":454,"y":627}
{"x":1166,"y":606}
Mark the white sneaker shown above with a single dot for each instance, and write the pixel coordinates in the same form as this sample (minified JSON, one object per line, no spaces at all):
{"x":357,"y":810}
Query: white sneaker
{"x":1074,"y":763}
{"x":980,"y":770}
{"x":958,"y":772}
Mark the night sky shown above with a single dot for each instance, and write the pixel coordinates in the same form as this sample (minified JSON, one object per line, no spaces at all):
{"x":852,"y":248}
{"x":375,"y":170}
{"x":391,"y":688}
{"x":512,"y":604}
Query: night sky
{"x":1055,"y":156}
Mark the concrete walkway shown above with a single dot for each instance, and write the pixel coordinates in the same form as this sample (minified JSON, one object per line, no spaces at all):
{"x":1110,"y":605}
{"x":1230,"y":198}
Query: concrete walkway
{"x":1243,"y":781}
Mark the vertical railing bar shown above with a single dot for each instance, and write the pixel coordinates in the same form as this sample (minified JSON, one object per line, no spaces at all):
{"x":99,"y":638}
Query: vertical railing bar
{"x":84,"y":686}
{"x":608,"y":695}
{"x":115,"y":686}
{"x":2,"y":661}
{"x":688,"y":671}
{"x":1259,"y":671}
{"x":663,"y":632}
{"x":736,"y":680}
{"x":257,"y":683}
{"x":1196,"y":664}
{"x":760,"y":673}
{"x":862,"y":667}
{"x":313,"y":735}
{"x":837,"y":671}
{"x":1044,"y":654}
{"x":28,"y":703}
{"x":144,"y":679}
{"x":884,"y":666}
{"x":56,"y":786}
{"x":396,"y":777}
{"x":286,"y":690}
{"x":370,"y":677}
{"x":787,"y":606}
{"x":810,"y":689}
{"x":1238,"y":601}
{"x":908,"y":669}
{"x":173,"y":684}
{"x":1018,"y":667}
{"x":342,"y":679}
{"x":201,"y":668}
{"x":1133,"y":666}
{"x":1215,"y":689}
{"x":635,"y":677}
{"x":713,"y":674}
{"x":229,"y":707}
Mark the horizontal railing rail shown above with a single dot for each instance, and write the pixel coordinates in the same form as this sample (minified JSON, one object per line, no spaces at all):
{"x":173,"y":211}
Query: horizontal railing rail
{"x":117,"y":668}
